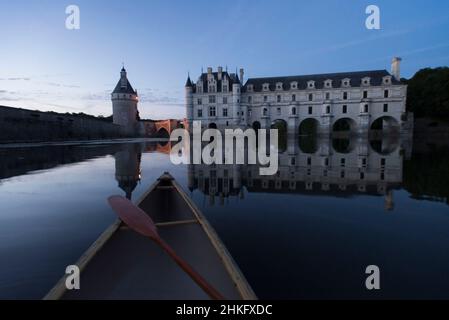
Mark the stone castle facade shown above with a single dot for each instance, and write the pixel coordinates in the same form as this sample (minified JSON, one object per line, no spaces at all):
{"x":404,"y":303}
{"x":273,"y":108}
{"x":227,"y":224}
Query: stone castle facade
{"x":355,"y":101}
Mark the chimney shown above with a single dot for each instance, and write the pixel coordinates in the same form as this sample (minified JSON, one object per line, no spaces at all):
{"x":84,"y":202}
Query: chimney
{"x":242,"y":73}
{"x":220,"y":72}
{"x":396,"y":68}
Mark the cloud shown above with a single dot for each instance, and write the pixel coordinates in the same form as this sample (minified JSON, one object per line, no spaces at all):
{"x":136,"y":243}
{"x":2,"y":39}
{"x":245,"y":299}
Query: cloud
{"x":15,"y":79}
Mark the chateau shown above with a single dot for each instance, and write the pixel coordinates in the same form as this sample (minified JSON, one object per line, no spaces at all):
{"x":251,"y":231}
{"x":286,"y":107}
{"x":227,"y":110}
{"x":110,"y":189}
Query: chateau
{"x":351,"y":101}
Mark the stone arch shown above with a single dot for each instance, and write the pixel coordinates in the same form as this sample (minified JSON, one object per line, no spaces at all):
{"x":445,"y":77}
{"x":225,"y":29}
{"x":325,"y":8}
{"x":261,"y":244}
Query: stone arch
{"x":309,"y":127}
{"x":344,"y":125}
{"x":385,"y":125}
{"x":308,"y":135}
{"x":163,"y":133}
{"x":281,"y":126}
{"x":256,"y":125}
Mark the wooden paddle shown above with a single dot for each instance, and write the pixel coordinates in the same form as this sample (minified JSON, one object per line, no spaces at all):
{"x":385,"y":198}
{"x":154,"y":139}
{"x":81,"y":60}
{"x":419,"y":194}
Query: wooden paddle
{"x":140,"y":221}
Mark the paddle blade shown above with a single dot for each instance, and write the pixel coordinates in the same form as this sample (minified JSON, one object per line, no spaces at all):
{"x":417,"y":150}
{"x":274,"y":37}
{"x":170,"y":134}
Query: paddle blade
{"x":133,"y":216}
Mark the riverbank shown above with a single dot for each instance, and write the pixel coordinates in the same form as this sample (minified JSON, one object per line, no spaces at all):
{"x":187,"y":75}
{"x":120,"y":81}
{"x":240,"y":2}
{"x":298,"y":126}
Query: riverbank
{"x":79,"y":142}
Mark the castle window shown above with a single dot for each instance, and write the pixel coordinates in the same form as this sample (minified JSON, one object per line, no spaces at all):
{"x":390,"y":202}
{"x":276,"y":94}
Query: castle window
{"x":279,"y":86}
{"x":200,"y":113}
{"x":250,"y":112}
{"x":386,"y":94}
{"x":212,"y":99}
{"x":328,"y":96}
{"x":279,"y":98}
{"x":343,"y":162}
{"x":294,"y":111}
{"x":265,"y":98}
{"x":266,"y":87}
{"x":225,"y":112}
{"x":310,"y":96}
{"x":293,"y":85}
{"x":311,"y":84}
{"x":328,"y":109}
{"x":345,"y":95}
{"x":225,"y":100}
{"x":200,"y":101}
{"x":386,"y":107}
{"x":225,"y":88}
{"x":345,"y":109}
{"x":362,"y":175}
{"x":328,"y":83}
{"x":250,"y":99}
{"x":293,"y":97}
{"x":310,"y":110}
{"x":250,"y":88}
{"x":366,"y":81}
{"x":265,"y":112}
{"x":309,"y":161}
{"x":212,"y":112}
{"x":279,"y":111}
{"x":365,"y":94}
{"x":365,"y":108}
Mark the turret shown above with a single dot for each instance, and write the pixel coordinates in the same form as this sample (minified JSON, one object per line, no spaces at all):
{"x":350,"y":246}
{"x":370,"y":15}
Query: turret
{"x":236,"y":99}
{"x":189,"y":101}
{"x":124,"y":105}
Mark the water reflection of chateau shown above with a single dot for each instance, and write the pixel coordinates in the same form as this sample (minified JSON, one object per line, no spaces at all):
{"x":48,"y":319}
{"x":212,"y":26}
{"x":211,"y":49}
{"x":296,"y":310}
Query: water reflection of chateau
{"x":336,"y":167}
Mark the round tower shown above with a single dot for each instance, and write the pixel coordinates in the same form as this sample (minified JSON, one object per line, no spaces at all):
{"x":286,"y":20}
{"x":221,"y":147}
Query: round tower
{"x":189,"y":102}
{"x":124,"y":105}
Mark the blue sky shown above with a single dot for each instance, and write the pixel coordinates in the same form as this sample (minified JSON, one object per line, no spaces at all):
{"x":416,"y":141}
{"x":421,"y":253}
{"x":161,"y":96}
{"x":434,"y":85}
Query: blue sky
{"x":45,"y":66}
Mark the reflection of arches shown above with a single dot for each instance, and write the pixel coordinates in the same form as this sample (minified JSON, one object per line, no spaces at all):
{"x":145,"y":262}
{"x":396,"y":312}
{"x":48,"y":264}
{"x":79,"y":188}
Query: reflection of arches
{"x":385,"y":145}
{"x":346,"y":125}
{"x":343,"y":145}
{"x":385,"y":124}
{"x":213,"y":125}
{"x":308,"y":127}
{"x":281,"y":126}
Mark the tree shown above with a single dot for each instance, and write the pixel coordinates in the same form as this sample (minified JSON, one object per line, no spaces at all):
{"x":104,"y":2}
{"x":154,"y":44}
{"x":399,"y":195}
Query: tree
{"x":428,"y":93}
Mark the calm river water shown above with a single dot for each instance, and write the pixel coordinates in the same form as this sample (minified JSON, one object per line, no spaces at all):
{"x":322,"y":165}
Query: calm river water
{"x":335,"y":207}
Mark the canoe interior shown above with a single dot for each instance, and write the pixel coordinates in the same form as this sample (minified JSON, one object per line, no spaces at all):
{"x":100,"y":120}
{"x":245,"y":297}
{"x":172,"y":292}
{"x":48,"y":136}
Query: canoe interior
{"x":130,"y":266}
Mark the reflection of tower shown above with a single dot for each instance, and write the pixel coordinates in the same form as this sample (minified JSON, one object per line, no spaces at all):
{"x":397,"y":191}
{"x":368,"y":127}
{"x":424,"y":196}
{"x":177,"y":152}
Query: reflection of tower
{"x":389,"y":201}
{"x":124,"y":105}
{"x":127,"y":168}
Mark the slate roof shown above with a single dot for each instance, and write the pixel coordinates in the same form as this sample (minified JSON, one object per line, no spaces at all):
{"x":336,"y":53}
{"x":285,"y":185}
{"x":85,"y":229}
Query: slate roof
{"x":127,"y":89}
{"x":232,"y":79}
{"x":355,"y":77}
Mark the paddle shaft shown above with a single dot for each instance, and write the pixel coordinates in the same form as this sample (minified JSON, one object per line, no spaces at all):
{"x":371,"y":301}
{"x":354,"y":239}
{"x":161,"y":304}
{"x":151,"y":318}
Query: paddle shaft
{"x":195,"y":276}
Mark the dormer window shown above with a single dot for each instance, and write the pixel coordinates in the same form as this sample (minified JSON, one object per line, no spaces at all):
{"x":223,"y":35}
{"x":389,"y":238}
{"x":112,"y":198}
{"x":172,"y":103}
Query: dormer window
{"x":328,"y":83}
{"x":311,"y":84}
{"x":294,"y":85}
{"x":366,"y":81}
{"x":386,"y":80}
{"x":225,"y":87}
{"x":279,"y":86}
{"x":266,"y":87}
{"x":250,"y":88}
{"x":346,"y":82}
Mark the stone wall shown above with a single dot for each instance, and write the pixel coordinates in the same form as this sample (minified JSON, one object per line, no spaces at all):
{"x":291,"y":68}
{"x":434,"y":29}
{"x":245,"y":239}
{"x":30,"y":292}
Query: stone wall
{"x":18,"y":125}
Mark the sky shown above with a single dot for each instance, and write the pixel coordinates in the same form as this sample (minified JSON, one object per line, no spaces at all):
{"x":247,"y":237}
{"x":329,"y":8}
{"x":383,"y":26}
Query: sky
{"x":45,"y":66}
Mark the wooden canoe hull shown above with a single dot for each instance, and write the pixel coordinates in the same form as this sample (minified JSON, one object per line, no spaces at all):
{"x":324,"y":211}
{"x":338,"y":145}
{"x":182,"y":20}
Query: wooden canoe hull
{"x":122,"y":264}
